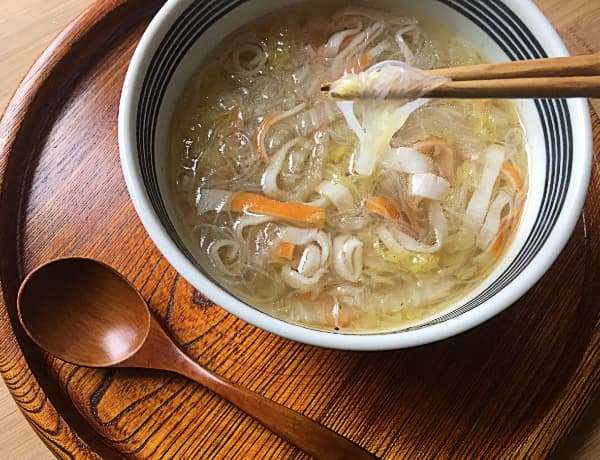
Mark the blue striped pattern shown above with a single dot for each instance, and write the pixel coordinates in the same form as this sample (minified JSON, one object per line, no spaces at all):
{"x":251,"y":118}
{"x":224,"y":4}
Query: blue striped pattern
{"x":517,"y":41}
{"x":494,"y":18}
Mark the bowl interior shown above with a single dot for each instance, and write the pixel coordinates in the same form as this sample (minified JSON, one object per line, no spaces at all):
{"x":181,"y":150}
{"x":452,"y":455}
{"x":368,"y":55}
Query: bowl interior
{"x":186,"y":32}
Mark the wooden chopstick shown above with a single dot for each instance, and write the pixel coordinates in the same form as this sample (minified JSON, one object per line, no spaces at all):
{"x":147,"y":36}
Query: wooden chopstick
{"x":573,"y":66}
{"x":515,"y":88}
{"x":576,"y":76}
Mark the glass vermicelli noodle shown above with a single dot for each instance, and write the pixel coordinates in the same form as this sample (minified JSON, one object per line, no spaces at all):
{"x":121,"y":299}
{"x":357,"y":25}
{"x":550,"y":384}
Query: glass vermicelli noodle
{"x":360,"y":216}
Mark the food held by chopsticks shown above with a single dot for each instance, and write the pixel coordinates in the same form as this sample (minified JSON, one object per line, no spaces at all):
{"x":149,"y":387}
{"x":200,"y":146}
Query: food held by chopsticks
{"x":384,"y":79}
{"x":576,"y":76}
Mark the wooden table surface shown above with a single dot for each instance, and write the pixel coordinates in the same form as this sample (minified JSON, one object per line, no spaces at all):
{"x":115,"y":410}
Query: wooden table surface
{"x":28,"y":26}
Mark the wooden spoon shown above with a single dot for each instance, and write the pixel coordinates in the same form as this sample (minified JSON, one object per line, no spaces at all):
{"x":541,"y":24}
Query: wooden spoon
{"x":86,"y":313}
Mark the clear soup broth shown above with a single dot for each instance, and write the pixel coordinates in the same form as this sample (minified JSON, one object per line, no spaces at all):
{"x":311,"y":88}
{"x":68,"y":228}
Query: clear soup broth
{"x":353,"y":217}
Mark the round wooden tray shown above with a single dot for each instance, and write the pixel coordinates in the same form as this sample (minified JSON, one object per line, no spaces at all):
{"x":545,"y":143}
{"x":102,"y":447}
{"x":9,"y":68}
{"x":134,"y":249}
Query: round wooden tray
{"x":512,"y":387}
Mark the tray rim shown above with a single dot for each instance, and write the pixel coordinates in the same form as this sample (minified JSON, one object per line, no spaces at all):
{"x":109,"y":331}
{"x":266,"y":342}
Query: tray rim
{"x":24,"y":99}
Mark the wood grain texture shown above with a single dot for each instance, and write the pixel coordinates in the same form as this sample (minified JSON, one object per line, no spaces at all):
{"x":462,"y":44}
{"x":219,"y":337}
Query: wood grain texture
{"x":514,"y":387}
{"x":26,"y":29}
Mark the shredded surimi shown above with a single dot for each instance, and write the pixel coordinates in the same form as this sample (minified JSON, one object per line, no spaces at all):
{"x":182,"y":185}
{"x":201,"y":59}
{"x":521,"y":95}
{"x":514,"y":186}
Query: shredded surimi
{"x":265,"y":126}
{"x":491,"y":227}
{"x":315,"y":258}
{"x":396,"y":240}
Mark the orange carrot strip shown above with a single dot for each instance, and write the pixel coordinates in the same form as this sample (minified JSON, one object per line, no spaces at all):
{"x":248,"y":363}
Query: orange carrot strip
{"x":359,"y":65}
{"x":519,"y":205}
{"x":346,"y":41}
{"x":383,"y":207}
{"x":500,"y":240}
{"x":285,"y":250}
{"x":293,"y":212}
{"x":497,"y":244}
{"x":513,"y":175}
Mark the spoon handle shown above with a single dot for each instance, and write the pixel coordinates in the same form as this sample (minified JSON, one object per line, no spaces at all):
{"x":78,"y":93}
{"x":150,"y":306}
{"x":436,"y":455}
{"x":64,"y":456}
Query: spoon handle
{"x":306,"y":434}
{"x":160,"y":352}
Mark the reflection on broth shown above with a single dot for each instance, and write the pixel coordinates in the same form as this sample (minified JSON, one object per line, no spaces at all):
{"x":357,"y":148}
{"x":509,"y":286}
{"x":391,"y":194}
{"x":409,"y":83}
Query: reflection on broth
{"x":357,"y":217}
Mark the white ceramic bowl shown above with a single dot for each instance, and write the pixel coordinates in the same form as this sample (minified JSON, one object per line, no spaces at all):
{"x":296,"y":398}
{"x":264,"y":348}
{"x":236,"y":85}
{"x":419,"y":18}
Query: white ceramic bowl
{"x":559,"y":148}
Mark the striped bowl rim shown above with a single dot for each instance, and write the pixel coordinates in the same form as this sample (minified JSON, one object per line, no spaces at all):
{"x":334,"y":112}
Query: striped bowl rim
{"x":138,"y":119}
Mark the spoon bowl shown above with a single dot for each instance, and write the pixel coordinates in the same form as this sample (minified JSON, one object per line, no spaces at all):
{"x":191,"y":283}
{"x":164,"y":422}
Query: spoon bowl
{"x":84,"y":313}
